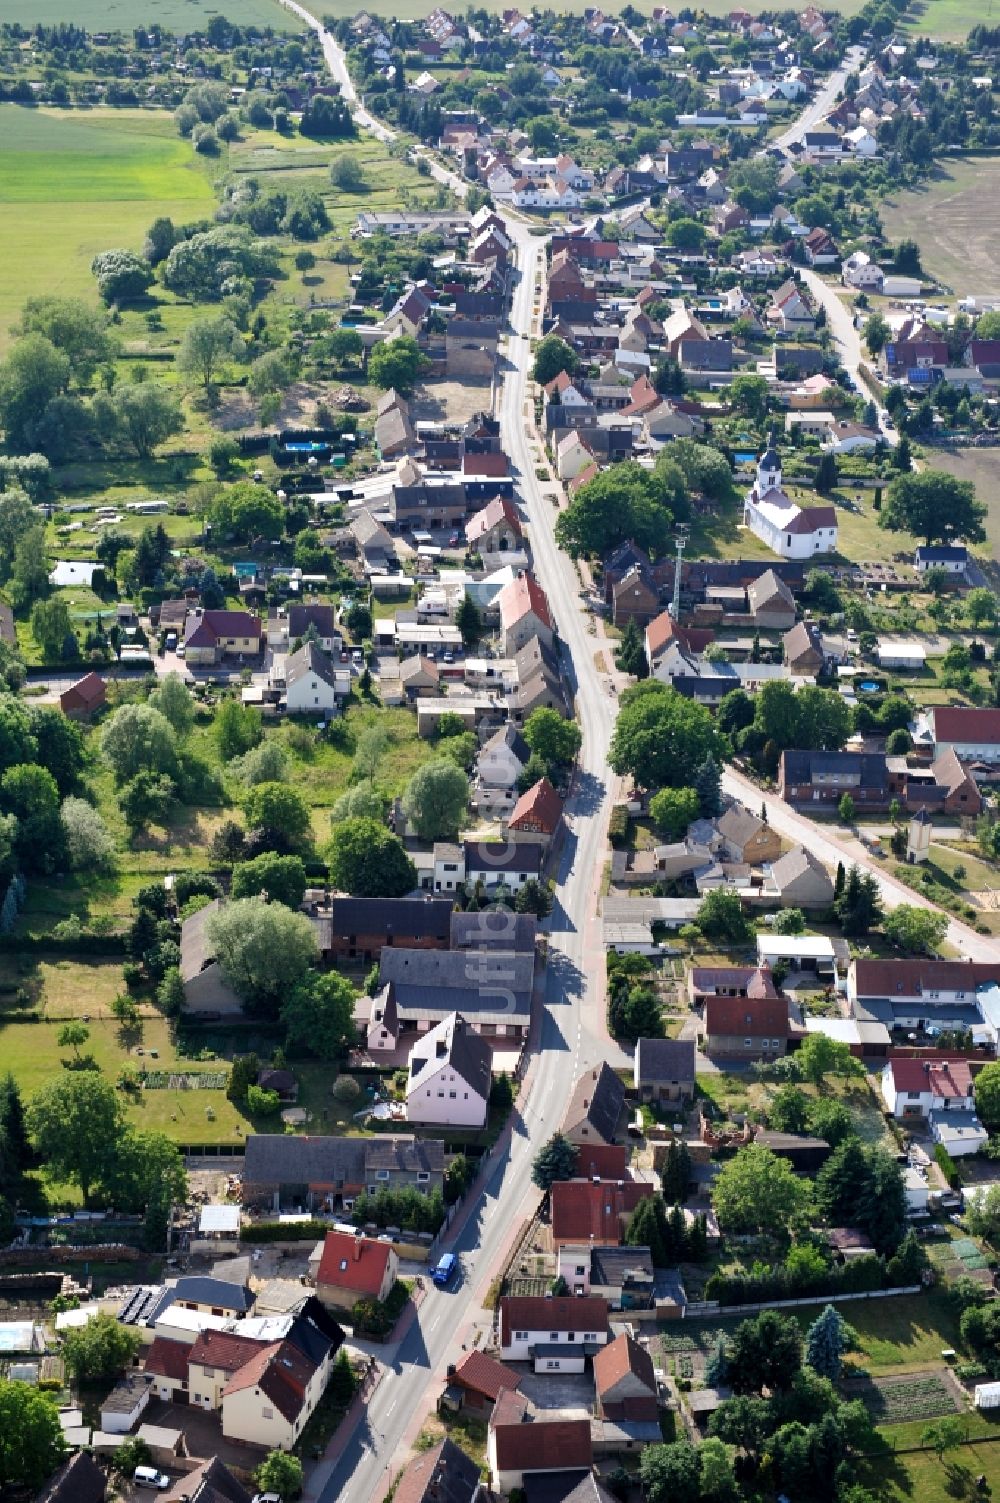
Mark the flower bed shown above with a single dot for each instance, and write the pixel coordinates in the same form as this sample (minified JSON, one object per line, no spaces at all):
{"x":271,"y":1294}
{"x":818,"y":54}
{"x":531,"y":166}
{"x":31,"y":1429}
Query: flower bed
{"x":168,"y":1080}
{"x":893,"y":1401}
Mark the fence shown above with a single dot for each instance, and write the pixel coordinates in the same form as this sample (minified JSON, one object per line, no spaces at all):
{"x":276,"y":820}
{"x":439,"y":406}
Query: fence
{"x":712,"y":1310}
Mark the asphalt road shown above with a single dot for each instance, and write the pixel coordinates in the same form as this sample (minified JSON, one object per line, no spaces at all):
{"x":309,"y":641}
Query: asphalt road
{"x":840,"y":322}
{"x":830,"y":849}
{"x":571,"y":1034}
{"x":822,"y":103}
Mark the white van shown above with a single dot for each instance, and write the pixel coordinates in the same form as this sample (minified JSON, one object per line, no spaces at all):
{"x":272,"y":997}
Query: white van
{"x":148,"y":1476}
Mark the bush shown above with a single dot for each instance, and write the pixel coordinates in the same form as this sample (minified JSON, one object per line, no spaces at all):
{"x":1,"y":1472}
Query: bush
{"x":262,"y":1103}
{"x":346,"y":1088}
{"x":947,"y":1165}
{"x":285,"y":1231}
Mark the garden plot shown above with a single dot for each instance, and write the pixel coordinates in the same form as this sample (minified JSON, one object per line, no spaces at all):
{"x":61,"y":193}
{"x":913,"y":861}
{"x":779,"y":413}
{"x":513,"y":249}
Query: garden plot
{"x":893,"y":1401}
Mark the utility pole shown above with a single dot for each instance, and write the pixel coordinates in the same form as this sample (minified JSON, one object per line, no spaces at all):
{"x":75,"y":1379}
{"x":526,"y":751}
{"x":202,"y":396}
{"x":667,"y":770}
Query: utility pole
{"x":680,"y":543}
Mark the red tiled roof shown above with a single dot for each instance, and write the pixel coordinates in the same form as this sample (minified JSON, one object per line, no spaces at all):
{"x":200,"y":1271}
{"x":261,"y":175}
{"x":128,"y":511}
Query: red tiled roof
{"x":521,"y":596}
{"x":663,"y":629}
{"x":909,"y":978}
{"x":812,"y":518}
{"x":168,"y":1359}
{"x":583,"y":1210}
{"x":949,"y":1078}
{"x":757,"y":1017}
{"x":89,"y":690}
{"x":605,"y":1160}
{"x":956,"y":723}
{"x":485,"y":1375}
{"x":755,"y":980}
{"x":498,"y":510}
{"x":224,"y":1350}
{"x":490,"y":466}
{"x":355,"y":1263}
{"x":281,"y":1372}
{"x":530,"y":1312}
{"x":559,"y":383}
{"x":543,"y":1446}
{"x":619,"y":1358}
{"x":539,"y":806}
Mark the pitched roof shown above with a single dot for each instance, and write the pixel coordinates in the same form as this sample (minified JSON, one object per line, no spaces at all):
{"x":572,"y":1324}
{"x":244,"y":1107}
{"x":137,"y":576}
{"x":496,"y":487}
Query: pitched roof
{"x":90,"y":689}
{"x":795,"y":863}
{"x":353,"y":1262}
{"x":453,"y":1044}
{"x":444,"y":1474}
{"x":620,"y":1358}
{"x":211,"y":625}
{"x":665,"y":1059}
{"x":531,"y":1312}
{"x":542,"y":1445}
{"x":225,"y":1350}
{"x":79,"y":1481}
{"x":801,"y":640}
{"x":301,"y":617}
{"x":279,"y":1158}
{"x":755,"y":980}
{"x":812,"y":519}
{"x":433,"y":983}
{"x":201,"y":1289}
{"x":766,"y":587}
{"x":396,"y":918}
{"x":756,"y":1016}
{"x":211,"y":1482}
{"x":499,"y":510}
{"x":596,"y":1102}
{"x":281,"y":1372}
{"x":956,"y":723}
{"x":663,"y":630}
{"x":538,"y":805}
{"x":521,"y":596}
{"x":950,"y":1078}
{"x":583,"y":1210}
{"x":168,"y":1359}
{"x":493,"y":929}
{"x":738,"y":825}
{"x":310,"y":658}
{"x":912,"y":978}
{"x":485,"y":1375}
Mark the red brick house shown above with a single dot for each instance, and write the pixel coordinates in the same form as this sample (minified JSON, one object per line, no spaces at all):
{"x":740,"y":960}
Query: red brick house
{"x":82,"y":700}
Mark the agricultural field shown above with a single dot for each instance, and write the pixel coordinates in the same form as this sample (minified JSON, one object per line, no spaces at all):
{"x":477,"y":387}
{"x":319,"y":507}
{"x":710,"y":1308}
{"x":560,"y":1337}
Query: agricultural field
{"x":924,"y":1396}
{"x":981,"y":467}
{"x":961,"y":202}
{"x":72,"y":185}
{"x":176,"y":15}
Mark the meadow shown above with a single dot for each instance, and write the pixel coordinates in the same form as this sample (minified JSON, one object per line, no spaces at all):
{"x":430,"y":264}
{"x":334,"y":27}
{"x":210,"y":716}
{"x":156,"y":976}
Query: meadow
{"x":955,"y":219}
{"x":73,"y":184}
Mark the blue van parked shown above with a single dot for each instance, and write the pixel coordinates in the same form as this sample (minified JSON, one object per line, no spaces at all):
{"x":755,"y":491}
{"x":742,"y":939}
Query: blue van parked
{"x":445,"y":1269}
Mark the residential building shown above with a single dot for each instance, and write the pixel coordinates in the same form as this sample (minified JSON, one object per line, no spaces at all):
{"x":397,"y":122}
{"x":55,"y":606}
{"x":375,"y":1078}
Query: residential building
{"x":819,"y":777}
{"x":536,"y":815}
{"x":524,"y":613}
{"x":211,"y":636}
{"x":522,"y":1445}
{"x":477,"y":1380}
{"x":972,"y":734}
{"x":82,"y":700}
{"x":449,"y":1076}
{"x":802,"y":649}
{"x":495,"y":529}
{"x":79,"y":1480}
{"x":328,"y":1173}
{"x":953,"y":559}
{"x":501,"y":863}
{"x":801,"y":880}
{"x":492,"y":991}
{"x":444,"y":1474}
{"x":595,"y":1107}
{"x":746,"y":837}
{"x":210,"y":1482}
{"x":626,"y":1383}
{"x":286,"y":625}
{"x":358,"y":929}
{"x":353,"y":1267}
{"x":207,"y":993}
{"x":917,"y":1087}
{"x":502,"y":759}
{"x":313,"y":685}
{"x":788,"y":529}
{"x":593,"y":1211}
{"x":542,"y":1329}
{"x":664,"y":1070}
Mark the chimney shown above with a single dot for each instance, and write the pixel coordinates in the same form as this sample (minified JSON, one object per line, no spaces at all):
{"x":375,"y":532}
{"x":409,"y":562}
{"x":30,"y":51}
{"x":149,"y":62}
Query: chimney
{"x":357,"y":1247}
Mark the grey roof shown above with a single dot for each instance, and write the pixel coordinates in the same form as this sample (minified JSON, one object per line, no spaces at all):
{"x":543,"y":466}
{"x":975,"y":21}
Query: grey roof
{"x":301,"y":617}
{"x":467,"y":1053}
{"x":611,"y":1265}
{"x":79,"y":1481}
{"x":487,"y":986}
{"x":493,"y":929}
{"x":766,"y":587}
{"x":310,"y":658}
{"x":738,"y":825}
{"x":665,"y":1059}
{"x":444,"y":1474}
{"x":196,"y":951}
{"x":596,"y":1103}
{"x":510,"y":737}
{"x":211,"y":1482}
{"x":795,"y":863}
{"x":803,"y":766}
{"x":493,"y":858}
{"x":396,"y":918}
{"x":276,"y":1158}
{"x":208,"y":1291}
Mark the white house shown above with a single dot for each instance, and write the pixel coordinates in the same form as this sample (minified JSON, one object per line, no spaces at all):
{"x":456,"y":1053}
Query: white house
{"x":789,"y":530}
{"x":449,"y":1076}
{"x":847,"y":437}
{"x":917,"y":1087}
{"x":973,"y":734}
{"x":556,"y":1334}
{"x":861,"y":141}
{"x":860,"y":271}
{"x":953,"y":559}
{"x":902,"y":655}
{"x":313,"y":686}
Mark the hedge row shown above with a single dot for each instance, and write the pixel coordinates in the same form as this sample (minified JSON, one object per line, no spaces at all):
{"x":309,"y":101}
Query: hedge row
{"x":48,"y":944}
{"x":285,"y":1231}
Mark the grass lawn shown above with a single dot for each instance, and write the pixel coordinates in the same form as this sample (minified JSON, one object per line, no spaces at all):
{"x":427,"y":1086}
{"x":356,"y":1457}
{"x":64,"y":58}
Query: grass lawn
{"x":73,"y":184}
{"x":901,"y":1334}
{"x":919,"y":1474}
{"x":959,"y":200}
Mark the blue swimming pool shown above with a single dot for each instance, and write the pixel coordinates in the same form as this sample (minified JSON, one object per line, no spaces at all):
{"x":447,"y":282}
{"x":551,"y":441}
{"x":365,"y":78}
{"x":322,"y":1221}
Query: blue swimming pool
{"x":744,"y":458}
{"x":869,"y":686}
{"x":304,"y":448}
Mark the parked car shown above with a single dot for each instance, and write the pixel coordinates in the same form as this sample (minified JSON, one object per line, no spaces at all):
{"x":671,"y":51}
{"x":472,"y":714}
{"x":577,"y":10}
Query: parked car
{"x":148,"y":1476}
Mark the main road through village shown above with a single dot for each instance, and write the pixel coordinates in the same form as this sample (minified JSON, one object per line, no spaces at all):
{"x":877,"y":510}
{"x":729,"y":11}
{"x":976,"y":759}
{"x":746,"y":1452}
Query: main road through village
{"x":571,"y":1034}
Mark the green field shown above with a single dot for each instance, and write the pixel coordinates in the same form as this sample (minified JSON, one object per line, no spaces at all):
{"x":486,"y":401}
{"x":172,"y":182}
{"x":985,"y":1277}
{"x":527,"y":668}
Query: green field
{"x":73,"y":184}
{"x":955,"y":219}
{"x":179,"y":16}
